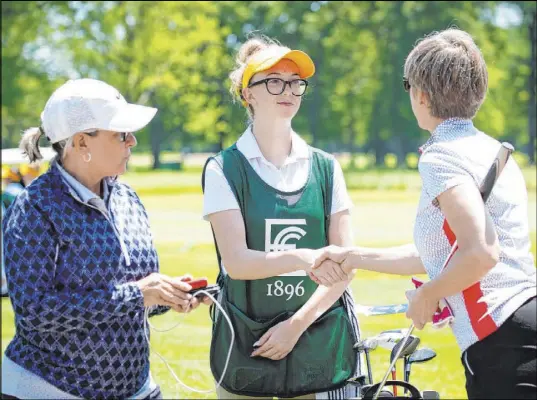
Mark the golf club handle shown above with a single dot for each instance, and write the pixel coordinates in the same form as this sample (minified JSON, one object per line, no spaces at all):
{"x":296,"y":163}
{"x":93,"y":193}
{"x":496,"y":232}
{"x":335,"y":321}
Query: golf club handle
{"x":392,"y":364}
{"x":506,"y":149}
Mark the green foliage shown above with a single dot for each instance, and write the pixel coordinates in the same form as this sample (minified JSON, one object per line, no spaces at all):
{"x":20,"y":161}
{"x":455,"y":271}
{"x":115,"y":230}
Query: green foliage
{"x":26,"y":81}
{"x":390,"y":160}
{"x":177,"y":56}
{"x":411,"y":160}
{"x":521,"y":159}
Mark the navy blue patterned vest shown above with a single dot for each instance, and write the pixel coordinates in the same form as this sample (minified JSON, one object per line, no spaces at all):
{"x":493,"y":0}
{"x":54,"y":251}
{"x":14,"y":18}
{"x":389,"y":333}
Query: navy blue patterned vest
{"x":78,"y":313}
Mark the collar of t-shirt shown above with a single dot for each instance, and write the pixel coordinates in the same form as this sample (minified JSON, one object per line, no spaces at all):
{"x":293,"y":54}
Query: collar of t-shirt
{"x":247,"y":145}
{"x":447,"y":129}
{"x":84,"y":194}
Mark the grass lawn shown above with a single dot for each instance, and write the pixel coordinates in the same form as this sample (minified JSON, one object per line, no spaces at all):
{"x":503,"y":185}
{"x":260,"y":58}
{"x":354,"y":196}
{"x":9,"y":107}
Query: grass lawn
{"x":184,"y":242}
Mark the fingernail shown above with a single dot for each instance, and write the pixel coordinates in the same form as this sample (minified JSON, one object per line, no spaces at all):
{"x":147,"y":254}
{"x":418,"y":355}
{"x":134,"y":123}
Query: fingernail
{"x":256,"y":343}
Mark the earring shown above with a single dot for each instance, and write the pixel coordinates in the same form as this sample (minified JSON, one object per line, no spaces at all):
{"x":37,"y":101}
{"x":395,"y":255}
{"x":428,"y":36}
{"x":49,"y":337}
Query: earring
{"x":89,"y":157}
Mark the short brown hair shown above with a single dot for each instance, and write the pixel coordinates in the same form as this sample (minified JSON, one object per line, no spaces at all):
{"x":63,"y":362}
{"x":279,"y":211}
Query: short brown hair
{"x":450,"y":68}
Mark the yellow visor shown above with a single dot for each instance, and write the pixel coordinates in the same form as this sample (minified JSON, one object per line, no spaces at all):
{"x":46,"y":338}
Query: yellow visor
{"x":8,"y":173}
{"x":269,"y":57}
{"x":26,"y":169}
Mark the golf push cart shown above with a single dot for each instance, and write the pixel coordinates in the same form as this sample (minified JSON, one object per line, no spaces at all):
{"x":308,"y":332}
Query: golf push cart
{"x":393,"y":340}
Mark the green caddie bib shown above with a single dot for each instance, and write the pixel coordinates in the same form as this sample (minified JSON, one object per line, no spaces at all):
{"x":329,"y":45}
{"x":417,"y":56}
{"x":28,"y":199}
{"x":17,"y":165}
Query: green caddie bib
{"x":323,"y":358}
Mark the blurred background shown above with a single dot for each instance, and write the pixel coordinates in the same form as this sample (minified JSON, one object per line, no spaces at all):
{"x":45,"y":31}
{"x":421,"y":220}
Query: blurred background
{"x":177,"y":56}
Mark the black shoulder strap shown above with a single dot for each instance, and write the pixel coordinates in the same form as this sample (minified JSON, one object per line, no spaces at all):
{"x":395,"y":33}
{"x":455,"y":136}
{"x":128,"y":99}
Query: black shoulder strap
{"x":328,"y":188}
{"x":325,"y":165}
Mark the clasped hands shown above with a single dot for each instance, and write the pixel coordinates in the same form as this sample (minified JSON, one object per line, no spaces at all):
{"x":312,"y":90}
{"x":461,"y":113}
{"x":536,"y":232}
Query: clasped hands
{"x":332,"y":264}
{"x":326,"y":266}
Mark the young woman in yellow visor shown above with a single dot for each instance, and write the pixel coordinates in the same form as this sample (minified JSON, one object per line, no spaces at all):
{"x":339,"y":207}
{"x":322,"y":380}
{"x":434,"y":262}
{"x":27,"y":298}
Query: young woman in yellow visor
{"x":273,"y":202}
{"x":29,"y":173}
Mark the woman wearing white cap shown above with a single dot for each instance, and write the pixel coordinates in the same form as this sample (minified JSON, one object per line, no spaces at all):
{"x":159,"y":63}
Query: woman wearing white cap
{"x":282,"y":200}
{"x":79,"y":257}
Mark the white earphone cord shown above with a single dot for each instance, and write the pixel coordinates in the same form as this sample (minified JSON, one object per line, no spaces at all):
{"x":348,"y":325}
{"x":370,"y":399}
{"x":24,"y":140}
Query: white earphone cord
{"x":146,"y":330}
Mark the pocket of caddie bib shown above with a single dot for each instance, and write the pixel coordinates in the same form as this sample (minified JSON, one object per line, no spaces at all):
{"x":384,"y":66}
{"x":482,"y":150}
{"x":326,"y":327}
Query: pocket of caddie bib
{"x":245,"y":375}
{"x":323,"y":358}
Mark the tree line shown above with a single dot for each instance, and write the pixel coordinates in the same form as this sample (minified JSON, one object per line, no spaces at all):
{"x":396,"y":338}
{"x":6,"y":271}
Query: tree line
{"x":177,"y":56}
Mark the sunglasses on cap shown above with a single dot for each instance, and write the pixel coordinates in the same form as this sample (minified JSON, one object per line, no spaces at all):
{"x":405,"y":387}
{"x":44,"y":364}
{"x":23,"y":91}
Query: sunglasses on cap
{"x":122,"y":135}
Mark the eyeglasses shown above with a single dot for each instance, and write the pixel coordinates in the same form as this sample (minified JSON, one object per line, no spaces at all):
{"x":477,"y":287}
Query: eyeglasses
{"x":406,"y":84}
{"x":276,"y":86}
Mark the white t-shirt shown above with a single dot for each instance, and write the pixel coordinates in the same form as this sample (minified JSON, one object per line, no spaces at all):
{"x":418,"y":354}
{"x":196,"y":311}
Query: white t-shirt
{"x":290,"y":177}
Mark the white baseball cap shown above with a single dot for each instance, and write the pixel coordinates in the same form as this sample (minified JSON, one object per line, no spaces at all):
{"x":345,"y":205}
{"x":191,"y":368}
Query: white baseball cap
{"x":88,"y":104}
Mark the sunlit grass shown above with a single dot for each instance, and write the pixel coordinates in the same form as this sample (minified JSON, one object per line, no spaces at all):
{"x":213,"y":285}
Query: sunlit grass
{"x":185,"y":245}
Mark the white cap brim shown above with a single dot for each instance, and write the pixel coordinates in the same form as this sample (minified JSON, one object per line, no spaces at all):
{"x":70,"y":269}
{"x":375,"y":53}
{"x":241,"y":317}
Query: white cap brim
{"x":132,"y":118}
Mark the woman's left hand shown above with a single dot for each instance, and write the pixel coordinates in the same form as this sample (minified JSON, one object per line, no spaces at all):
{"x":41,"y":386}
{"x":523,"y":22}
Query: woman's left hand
{"x":196,"y":301}
{"x":421,"y":306}
{"x":279,"y":340}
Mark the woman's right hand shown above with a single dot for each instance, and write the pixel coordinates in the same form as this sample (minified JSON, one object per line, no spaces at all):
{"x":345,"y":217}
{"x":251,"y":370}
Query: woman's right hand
{"x":331,"y":266}
{"x":307,"y":258}
{"x":320,"y":268}
{"x":162,"y":290}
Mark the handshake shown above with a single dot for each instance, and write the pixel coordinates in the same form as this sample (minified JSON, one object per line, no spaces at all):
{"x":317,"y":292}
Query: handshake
{"x":331,"y":264}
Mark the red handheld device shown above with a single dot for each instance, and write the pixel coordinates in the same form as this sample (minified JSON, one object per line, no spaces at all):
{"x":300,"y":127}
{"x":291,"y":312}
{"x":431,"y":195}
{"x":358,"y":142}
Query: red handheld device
{"x":198,"y":283}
